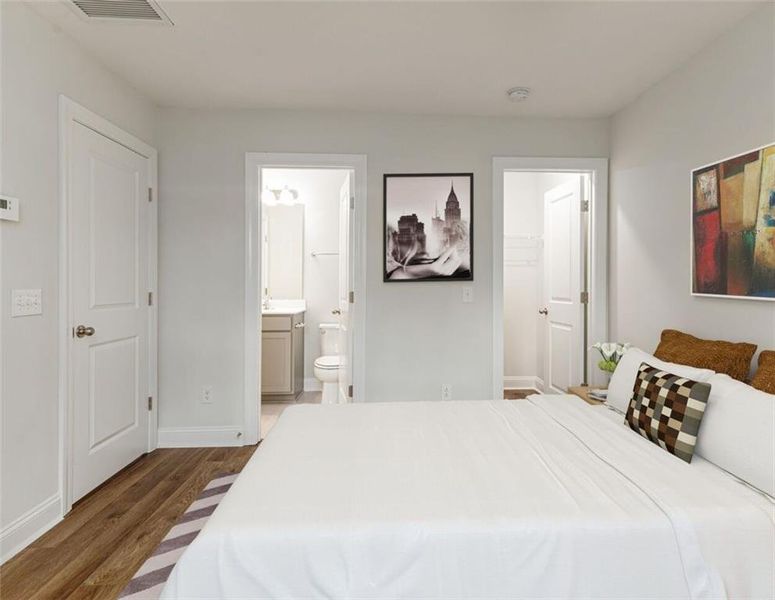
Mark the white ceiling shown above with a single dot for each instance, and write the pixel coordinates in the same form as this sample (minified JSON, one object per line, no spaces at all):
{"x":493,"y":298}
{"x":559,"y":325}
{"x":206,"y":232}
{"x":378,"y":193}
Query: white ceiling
{"x":582,"y":59}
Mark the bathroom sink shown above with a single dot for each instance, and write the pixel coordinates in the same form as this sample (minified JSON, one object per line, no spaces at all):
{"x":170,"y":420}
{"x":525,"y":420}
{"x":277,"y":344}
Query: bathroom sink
{"x":284,"y":307}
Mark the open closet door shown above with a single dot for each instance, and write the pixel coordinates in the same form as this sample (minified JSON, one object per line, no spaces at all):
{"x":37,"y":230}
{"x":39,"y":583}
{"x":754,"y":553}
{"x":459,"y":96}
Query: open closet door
{"x":345,"y":286}
{"x":563,"y":308}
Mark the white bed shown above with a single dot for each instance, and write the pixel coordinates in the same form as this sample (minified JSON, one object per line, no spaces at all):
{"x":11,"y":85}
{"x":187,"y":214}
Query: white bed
{"x":543,"y":498}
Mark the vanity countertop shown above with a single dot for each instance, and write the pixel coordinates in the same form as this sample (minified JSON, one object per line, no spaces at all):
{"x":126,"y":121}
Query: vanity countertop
{"x":284,"y":307}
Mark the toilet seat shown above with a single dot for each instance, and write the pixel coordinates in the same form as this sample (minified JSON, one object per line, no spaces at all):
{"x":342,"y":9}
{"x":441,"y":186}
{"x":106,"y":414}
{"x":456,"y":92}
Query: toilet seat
{"x":327,"y":363}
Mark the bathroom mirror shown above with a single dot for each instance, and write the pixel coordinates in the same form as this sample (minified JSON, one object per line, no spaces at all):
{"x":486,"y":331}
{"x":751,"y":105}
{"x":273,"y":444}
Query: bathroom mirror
{"x":283,"y":251}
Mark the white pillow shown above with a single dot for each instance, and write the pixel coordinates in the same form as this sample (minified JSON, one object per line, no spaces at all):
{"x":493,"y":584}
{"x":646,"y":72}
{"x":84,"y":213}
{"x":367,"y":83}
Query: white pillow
{"x":737,"y":432}
{"x":623,"y":379}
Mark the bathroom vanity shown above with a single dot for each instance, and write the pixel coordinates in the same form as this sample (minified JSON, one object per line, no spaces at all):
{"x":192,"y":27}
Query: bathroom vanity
{"x":282,"y":350}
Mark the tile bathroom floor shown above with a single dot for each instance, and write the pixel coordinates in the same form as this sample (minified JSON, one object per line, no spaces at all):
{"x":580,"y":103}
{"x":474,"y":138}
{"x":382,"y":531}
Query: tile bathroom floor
{"x":271,"y":411}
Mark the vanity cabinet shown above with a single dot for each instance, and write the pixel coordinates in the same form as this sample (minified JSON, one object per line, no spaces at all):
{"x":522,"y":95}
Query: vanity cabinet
{"x":282,"y":355}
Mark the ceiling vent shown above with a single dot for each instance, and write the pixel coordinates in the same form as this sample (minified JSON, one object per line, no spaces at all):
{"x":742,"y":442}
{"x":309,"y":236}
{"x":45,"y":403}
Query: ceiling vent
{"x":146,"y":11}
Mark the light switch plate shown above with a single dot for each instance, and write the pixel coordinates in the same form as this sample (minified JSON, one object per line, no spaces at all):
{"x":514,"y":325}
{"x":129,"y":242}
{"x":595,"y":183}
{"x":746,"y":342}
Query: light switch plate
{"x":207,"y":394}
{"x":468,"y":294}
{"x":25,"y":303}
{"x":9,"y":208}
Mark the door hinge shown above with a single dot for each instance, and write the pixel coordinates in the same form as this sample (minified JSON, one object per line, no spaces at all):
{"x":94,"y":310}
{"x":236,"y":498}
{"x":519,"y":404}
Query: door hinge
{"x":351,"y":297}
{"x":349,"y":391}
{"x":584,"y":297}
{"x":585,"y":206}
{"x":150,"y":298}
{"x":150,"y":402}
{"x":150,"y":194}
{"x":352,"y":202}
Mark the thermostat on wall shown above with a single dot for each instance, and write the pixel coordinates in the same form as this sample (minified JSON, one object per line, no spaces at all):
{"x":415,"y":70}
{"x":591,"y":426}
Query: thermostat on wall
{"x":9,"y":208}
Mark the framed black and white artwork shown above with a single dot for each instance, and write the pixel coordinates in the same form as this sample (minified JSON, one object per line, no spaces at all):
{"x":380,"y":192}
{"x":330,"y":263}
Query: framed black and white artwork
{"x":429,"y":227}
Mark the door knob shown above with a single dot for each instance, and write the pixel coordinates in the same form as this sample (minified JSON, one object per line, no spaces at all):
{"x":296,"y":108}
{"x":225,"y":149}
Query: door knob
{"x":82,"y":331}
{"x":336,"y":311}
{"x":543,"y":311}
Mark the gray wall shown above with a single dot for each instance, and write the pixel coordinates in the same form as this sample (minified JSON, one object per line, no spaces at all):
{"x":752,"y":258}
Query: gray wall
{"x":720,"y":103}
{"x":419,"y":335}
{"x":38,"y":64}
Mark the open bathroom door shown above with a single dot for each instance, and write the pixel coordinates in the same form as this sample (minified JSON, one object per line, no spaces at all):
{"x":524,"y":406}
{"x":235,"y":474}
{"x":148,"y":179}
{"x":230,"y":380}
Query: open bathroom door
{"x":345,"y":287}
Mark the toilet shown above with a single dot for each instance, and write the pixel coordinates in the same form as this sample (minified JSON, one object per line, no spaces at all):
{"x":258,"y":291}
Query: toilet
{"x":327,"y":365}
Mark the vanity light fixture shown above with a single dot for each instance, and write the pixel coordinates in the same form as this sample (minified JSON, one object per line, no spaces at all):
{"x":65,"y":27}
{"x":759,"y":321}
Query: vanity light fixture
{"x":288,"y":197}
{"x":268,"y":197}
{"x":285,"y":196}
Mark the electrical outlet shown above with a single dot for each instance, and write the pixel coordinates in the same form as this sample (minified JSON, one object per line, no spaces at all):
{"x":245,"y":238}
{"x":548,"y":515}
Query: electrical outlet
{"x":468,"y":294}
{"x":207,"y":395}
{"x":446,"y":391}
{"x":25,"y":303}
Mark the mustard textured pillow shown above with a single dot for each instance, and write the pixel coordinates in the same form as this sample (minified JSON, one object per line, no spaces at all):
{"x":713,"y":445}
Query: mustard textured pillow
{"x":732,"y":358}
{"x":764,"y":378}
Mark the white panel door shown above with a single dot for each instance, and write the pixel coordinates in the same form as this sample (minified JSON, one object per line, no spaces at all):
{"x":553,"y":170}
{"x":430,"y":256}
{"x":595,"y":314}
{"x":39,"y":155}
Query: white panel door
{"x":562,"y":287}
{"x":345,"y":285}
{"x":109,"y":241}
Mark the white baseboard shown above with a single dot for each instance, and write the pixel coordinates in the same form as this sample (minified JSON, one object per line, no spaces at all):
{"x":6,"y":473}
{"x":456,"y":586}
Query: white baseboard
{"x":199,"y":437}
{"x":523,"y":382}
{"x":311,"y":384}
{"x":24,"y":530}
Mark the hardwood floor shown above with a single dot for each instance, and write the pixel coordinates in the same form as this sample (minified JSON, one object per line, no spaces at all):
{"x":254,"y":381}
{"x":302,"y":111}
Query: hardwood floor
{"x":518,"y":394}
{"x":99,"y":545}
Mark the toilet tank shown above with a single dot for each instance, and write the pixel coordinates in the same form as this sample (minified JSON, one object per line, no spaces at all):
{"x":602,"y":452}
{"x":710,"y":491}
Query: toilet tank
{"x":329,"y":339}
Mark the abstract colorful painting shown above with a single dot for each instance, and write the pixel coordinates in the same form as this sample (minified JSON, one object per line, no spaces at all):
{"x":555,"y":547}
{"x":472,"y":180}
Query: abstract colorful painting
{"x":733,"y":227}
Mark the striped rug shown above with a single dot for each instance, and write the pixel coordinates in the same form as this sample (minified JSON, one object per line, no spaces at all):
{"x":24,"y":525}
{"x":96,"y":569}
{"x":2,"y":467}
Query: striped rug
{"x":149,"y":580}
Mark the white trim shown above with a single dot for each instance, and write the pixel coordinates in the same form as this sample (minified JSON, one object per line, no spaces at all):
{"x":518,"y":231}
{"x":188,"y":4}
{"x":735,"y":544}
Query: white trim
{"x":254,"y":163}
{"x":3,"y":394}
{"x":72,"y":112}
{"x":25,"y":529}
{"x":311,"y":384}
{"x":692,"y":266}
{"x":252,"y":316}
{"x":199,"y":437}
{"x":598,"y":248}
{"x":523,"y":382}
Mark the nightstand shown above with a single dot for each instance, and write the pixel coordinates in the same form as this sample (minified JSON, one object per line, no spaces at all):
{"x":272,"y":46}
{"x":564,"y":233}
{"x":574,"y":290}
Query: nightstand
{"x":582,"y":391}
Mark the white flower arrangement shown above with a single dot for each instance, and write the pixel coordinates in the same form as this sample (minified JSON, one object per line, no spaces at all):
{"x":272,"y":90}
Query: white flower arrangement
{"x":612,"y":353}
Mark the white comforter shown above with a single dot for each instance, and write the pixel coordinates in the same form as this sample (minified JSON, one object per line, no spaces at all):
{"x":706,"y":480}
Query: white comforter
{"x":544,"y":498}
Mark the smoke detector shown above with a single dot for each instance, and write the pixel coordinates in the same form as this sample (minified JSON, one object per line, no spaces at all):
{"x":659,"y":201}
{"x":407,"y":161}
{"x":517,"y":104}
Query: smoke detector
{"x":142,"y":11}
{"x":518,"y":94}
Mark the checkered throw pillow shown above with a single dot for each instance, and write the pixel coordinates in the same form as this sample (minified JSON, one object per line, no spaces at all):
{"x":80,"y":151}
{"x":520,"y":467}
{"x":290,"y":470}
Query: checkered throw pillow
{"x":667,"y":409}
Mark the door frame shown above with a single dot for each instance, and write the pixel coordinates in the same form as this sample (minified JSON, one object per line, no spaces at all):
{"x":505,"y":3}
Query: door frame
{"x":597,"y":277}
{"x":70,"y":113}
{"x":254,"y":163}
